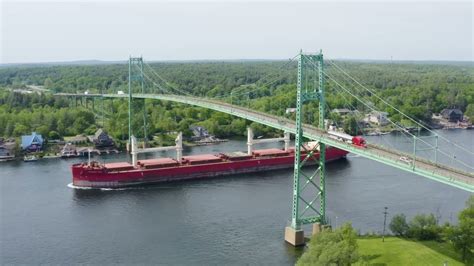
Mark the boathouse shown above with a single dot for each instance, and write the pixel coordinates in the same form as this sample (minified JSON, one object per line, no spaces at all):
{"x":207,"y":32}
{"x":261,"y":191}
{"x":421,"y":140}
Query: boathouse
{"x":102,"y":139}
{"x":7,"y":149}
{"x":452,"y":114}
{"x":33,"y":142}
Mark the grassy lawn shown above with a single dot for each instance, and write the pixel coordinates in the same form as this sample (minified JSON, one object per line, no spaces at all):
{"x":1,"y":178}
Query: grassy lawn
{"x":396,"y":251}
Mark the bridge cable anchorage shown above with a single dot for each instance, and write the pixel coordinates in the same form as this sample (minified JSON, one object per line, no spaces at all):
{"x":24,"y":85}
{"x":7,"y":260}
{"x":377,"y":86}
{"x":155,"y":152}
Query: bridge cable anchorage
{"x":428,"y":144}
{"x":396,"y":109}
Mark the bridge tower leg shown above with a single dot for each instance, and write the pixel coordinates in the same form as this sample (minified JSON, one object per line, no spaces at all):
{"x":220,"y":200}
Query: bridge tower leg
{"x":135,"y":73}
{"x":249,"y":140}
{"x":286,"y":136}
{"x":309,"y":197}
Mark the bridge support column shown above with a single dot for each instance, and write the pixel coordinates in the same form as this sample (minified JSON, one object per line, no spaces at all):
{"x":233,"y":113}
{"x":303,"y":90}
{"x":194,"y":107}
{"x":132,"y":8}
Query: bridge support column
{"x":249,"y":141}
{"x":294,"y":236}
{"x":287,"y":140}
{"x":179,"y":147}
{"x":133,"y":150}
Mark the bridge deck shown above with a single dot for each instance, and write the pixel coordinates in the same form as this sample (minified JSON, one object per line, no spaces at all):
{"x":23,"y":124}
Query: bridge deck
{"x":420,"y":166}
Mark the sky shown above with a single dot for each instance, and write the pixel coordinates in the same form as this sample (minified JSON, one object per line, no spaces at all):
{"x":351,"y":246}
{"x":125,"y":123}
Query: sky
{"x":39,"y":31}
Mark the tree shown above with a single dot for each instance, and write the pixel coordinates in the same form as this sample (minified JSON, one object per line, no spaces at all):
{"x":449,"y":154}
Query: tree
{"x":48,"y":83}
{"x":9,"y":129}
{"x":470,"y":112}
{"x":80,"y":125}
{"x":20,"y":130}
{"x":54,"y":135}
{"x":338,"y":247}
{"x":350,"y":126}
{"x":43,"y":131}
{"x":462,"y":236}
{"x":424,"y":227}
{"x":399,"y":225}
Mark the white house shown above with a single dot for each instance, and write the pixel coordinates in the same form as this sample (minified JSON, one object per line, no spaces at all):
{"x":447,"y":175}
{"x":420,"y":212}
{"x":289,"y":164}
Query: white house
{"x":379,"y":118}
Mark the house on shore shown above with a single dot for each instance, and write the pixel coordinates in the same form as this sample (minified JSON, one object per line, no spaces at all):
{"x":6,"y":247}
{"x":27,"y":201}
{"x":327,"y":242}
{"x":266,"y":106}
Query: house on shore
{"x":379,"y":118}
{"x":101,"y":139}
{"x":342,"y":111}
{"x":452,"y":114}
{"x":32,"y":143}
{"x":199,"y":133}
{"x":7,"y":150}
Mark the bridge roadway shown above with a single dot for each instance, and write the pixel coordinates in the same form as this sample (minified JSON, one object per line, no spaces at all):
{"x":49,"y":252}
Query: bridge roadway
{"x":438,"y":172}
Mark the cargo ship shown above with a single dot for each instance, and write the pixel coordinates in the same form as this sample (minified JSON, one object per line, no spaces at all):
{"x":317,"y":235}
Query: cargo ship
{"x":140,"y":172}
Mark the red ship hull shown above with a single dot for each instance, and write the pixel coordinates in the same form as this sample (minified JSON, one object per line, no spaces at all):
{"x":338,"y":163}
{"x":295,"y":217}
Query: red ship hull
{"x":124,"y":174}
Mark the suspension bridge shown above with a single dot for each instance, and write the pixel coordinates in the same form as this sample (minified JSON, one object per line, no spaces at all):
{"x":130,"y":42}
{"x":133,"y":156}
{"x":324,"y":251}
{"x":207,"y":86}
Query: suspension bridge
{"x":310,"y":87}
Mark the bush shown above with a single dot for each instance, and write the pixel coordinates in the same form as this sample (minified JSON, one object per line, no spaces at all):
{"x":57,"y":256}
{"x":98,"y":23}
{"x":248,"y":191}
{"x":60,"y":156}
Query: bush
{"x":53,"y":135}
{"x":462,"y":236}
{"x":338,"y":247}
{"x":424,"y":227}
{"x":399,"y":225}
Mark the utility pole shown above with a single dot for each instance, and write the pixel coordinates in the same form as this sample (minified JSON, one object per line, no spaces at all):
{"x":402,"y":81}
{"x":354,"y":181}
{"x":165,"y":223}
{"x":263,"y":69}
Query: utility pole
{"x":384,"y":223}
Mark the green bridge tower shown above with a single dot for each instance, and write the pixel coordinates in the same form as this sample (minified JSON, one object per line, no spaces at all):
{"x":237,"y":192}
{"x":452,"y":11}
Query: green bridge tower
{"x":135,"y":73}
{"x":309,"y":196}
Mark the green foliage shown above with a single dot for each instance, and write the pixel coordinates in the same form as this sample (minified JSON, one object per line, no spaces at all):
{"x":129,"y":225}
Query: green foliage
{"x":270,"y":86}
{"x":350,"y":126}
{"x":470,"y":112}
{"x":23,"y":113}
{"x":20,"y":130}
{"x":332,"y":247}
{"x":462,"y":236}
{"x":424,"y":227}
{"x":399,"y":225}
{"x":53,"y":135}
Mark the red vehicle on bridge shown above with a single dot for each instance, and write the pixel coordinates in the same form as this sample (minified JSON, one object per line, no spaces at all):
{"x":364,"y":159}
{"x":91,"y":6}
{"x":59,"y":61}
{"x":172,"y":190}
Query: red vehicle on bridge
{"x":354,"y":140}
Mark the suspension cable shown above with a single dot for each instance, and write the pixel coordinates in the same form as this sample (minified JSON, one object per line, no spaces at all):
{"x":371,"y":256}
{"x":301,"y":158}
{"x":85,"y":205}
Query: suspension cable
{"x":393,"y":107}
{"x":166,"y":82}
{"x":428,"y":144}
{"x":264,"y":77}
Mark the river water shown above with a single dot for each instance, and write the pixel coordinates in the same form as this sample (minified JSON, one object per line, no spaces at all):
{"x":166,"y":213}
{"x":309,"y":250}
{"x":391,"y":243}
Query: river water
{"x":222,"y":221}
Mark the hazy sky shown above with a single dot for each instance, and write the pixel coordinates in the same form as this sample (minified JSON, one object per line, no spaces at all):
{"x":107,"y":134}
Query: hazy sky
{"x":111,"y":30}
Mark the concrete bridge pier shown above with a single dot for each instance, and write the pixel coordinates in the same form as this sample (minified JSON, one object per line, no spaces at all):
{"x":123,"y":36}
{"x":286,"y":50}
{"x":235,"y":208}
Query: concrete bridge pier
{"x":294,"y":237}
{"x":317,"y":228}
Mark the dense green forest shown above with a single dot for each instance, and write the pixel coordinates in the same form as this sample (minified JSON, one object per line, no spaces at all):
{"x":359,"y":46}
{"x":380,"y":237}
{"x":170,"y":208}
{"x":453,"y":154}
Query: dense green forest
{"x":416,"y":89}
